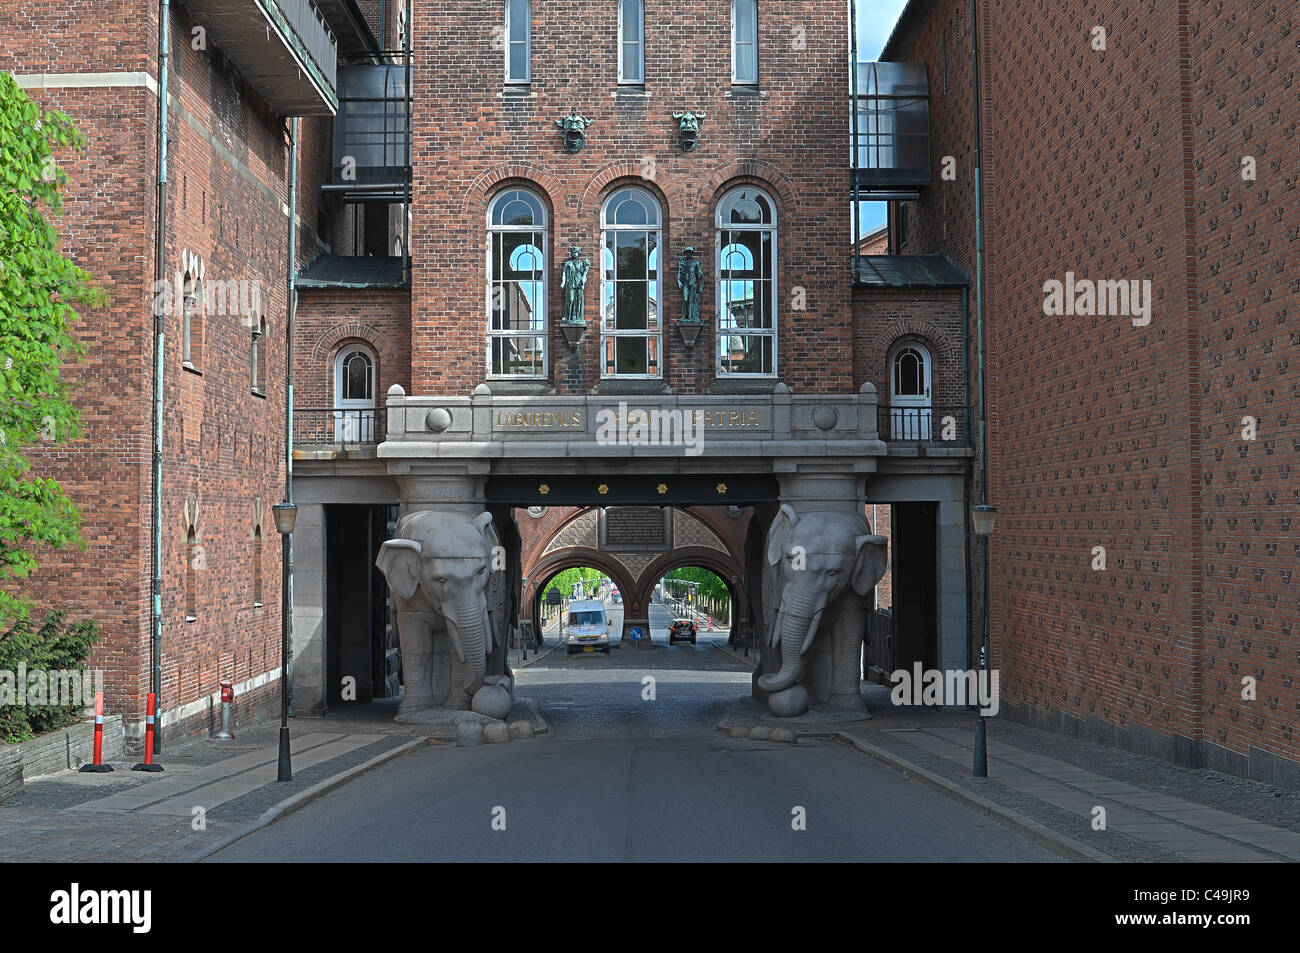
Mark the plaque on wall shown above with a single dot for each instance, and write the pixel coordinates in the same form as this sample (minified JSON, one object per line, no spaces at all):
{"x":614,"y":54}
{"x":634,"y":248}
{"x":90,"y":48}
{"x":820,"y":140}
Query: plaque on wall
{"x":636,"y":529}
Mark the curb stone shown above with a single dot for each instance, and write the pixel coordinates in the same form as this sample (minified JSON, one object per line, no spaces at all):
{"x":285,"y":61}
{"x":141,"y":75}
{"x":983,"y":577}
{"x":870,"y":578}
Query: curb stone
{"x":1058,"y":843}
{"x":302,"y":798}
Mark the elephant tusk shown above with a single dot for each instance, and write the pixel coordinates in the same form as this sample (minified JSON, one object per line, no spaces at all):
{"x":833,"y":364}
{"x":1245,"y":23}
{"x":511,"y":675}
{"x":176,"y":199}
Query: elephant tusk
{"x":454,"y":633}
{"x":812,"y":630}
{"x":780,"y":620}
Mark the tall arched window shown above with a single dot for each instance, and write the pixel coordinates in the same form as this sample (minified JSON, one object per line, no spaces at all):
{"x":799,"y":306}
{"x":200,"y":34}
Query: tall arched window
{"x":354,"y":396}
{"x":516,"y":304}
{"x":744,"y":42}
{"x":909,"y":392}
{"x":192,"y":323}
{"x":630,"y":334}
{"x":746,"y":273}
{"x":631,"y":41}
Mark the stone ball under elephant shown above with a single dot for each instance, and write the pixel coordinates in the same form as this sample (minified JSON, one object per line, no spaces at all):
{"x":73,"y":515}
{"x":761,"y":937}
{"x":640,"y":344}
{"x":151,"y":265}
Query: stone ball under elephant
{"x":493,"y":701}
{"x":790,"y":702}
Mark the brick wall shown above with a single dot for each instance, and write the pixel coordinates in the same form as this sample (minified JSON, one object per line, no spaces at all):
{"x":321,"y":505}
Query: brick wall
{"x":328,"y":321}
{"x":1119,"y":164}
{"x":222,"y":443}
{"x":470,"y":140}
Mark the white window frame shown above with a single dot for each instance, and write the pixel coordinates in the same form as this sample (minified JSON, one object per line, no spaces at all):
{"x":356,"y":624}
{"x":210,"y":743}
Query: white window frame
{"x":718,"y":247}
{"x":542,"y":227}
{"x":527,"y":41}
{"x":658,"y":335}
{"x":350,"y":417}
{"x":913,"y":418}
{"x":752,"y":41}
{"x":623,"y":42}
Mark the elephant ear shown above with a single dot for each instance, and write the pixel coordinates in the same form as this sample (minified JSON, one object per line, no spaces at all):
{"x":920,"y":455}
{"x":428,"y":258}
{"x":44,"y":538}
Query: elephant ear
{"x":399,"y":561}
{"x":873,"y":560}
{"x":780,"y":533}
{"x":485,"y":525}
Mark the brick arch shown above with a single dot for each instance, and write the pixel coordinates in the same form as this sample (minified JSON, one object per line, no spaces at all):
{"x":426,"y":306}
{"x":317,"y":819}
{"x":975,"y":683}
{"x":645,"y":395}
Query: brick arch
{"x":328,"y":341}
{"x":550,"y":564}
{"x":476,"y":196}
{"x":675,"y":200}
{"x":729,"y":569}
{"x":750,"y":172}
{"x":937,"y":340}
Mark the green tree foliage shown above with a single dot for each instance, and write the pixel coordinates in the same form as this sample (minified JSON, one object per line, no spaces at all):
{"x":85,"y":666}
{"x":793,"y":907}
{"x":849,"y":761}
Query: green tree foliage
{"x":40,"y":290}
{"x":565,"y":578}
{"x":55,"y":646}
{"x":710,"y":584}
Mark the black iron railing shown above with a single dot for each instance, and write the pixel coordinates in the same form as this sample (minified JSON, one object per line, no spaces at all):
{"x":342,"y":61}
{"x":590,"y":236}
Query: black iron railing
{"x":320,"y":427}
{"x":941,"y":424}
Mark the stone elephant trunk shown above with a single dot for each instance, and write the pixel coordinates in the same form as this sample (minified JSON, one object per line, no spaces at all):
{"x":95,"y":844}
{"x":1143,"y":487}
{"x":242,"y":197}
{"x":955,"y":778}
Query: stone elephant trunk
{"x":467,"y":627}
{"x":797,"y":619}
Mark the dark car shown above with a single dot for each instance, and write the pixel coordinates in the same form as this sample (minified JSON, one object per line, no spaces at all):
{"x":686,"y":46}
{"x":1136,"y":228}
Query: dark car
{"x":682,"y":630}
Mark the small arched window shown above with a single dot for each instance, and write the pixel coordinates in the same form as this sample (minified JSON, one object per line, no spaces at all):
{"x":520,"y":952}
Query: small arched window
{"x":910,"y":384}
{"x":631,"y":224}
{"x":354,"y":396}
{"x":516,"y":288}
{"x":746,"y":282}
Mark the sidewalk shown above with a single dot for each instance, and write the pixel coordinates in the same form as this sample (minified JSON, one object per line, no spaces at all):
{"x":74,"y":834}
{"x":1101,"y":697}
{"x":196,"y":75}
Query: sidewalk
{"x":1048,"y":787}
{"x":208,"y":791}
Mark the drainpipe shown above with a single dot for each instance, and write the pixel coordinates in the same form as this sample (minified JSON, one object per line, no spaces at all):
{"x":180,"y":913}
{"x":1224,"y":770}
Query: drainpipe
{"x":290,"y":314}
{"x":853,"y":121}
{"x":159,"y":274}
{"x":981,"y":768}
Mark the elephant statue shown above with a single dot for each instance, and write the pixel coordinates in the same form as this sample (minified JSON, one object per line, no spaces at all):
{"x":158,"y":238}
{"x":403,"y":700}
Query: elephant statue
{"x":829,"y":563}
{"x":441,"y":576}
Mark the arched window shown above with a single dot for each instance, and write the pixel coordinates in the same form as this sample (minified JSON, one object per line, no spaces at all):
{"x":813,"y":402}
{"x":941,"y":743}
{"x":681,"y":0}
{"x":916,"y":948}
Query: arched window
{"x":257,"y":567}
{"x":516,"y":304}
{"x":259,"y":332}
{"x":631,"y":41}
{"x":746,"y":274}
{"x":909,"y":392}
{"x":631,"y":225}
{"x":518,"y":41}
{"x":193,"y":558}
{"x":744,"y":42}
{"x":354,"y":396}
{"x":192,"y":323}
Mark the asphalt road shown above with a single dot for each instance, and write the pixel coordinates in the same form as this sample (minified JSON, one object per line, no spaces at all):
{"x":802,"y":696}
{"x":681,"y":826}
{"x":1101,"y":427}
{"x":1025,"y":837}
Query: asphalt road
{"x":634,"y":770}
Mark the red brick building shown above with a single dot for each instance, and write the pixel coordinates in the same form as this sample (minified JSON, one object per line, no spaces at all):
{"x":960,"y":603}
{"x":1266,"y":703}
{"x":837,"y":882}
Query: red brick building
{"x":440,"y":186}
{"x":1127,"y":144}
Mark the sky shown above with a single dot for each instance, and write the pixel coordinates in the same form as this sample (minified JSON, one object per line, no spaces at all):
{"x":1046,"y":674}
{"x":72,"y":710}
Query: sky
{"x":876,"y":19}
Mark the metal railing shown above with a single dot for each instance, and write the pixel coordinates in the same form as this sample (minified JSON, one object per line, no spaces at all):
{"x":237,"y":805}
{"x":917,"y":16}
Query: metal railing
{"x":942,"y":424}
{"x":326,"y":427}
{"x":313,"y":33}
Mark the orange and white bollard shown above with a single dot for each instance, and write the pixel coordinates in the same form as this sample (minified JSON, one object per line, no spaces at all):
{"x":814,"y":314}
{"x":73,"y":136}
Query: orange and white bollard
{"x":147,"y":764}
{"x":98,"y":766}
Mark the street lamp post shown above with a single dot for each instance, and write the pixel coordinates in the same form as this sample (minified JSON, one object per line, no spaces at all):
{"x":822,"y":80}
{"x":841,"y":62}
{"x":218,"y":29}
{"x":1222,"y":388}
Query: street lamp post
{"x":286,"y":514}
{"x":983,"y":516}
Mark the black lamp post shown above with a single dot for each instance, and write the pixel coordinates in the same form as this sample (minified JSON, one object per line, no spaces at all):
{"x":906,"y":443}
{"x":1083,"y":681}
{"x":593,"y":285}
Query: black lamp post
{"x":286,"y":514}
{"x":983,"y":517}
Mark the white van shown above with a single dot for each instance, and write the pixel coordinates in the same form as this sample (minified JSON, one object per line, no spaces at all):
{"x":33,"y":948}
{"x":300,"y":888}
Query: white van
{"x":588,"y":627}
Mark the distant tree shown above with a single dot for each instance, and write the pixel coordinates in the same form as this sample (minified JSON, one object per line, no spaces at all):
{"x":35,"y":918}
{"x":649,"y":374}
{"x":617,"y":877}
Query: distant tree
{"x":40,"y":290}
